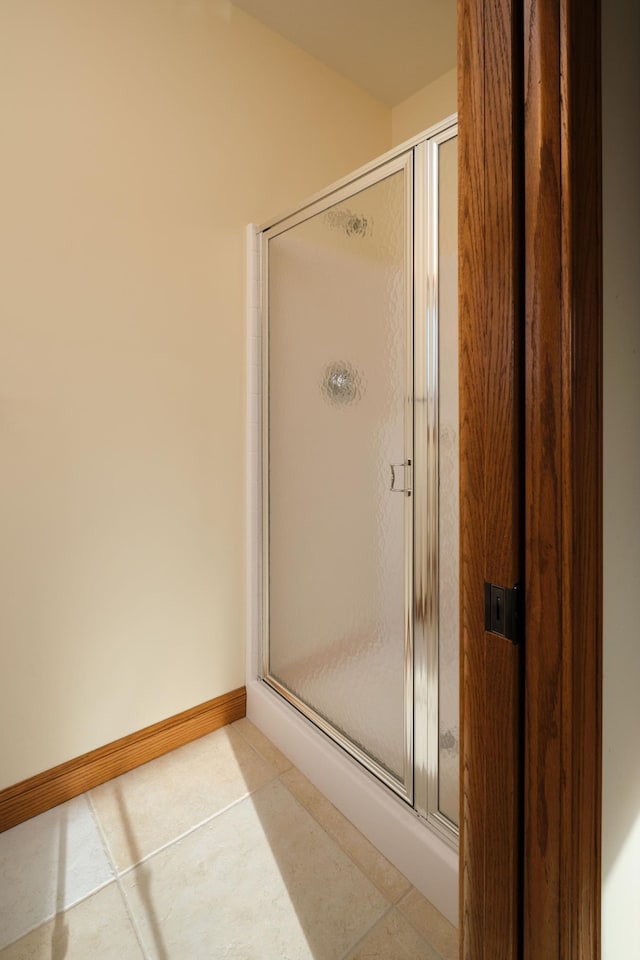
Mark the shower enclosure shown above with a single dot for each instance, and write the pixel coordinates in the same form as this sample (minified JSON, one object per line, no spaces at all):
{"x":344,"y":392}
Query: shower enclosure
{"x":360,"y":469}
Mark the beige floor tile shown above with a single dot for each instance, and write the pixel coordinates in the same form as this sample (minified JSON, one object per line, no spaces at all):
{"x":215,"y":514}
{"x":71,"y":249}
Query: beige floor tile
{"x":263,"y":746}
{"x":393,"y":938}
{"x":385,"y":876}
{"x":98,"y":928}
{"x":260,"y":882}
{"x":143,"y":810}
{"x":430,"y":923}
{"x":47,"y":864}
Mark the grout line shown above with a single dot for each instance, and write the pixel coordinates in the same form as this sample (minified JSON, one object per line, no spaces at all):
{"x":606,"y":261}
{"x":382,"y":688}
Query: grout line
{"x":86,"y":896}
{"x":390,"y":905}
{"x":81,"y":899}
{"x":434,"y":953}
{"x":203,"y":823}
{"x":52,"y":916}
{"x":345,"y":851}
{"x":133,"y":921}
{"x":413,"y":926}
{"x":358,"y":866}
{"x":103,"y":837}
{"x":118,"y":873}
{"x":112,"y":863}
{"x":366,"y":935}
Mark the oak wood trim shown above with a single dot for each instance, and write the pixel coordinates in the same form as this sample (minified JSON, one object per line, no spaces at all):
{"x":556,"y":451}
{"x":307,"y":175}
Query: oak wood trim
{"x":563,"y":241}
{"x":67,"y":780}
{"x":490,"y":317}
{"x":471,"y":344}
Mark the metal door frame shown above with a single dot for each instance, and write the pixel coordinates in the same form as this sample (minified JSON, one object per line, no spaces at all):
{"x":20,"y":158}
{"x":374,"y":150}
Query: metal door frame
{"x":426,"y":500}
{"x":419,"y":158}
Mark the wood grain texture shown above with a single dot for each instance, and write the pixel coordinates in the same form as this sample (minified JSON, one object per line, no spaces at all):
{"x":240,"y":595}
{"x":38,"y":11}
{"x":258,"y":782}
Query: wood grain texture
{"x":563,"y":480}
{"x":490,"y":471}
{"x":543,"y":472}
{"x":471,"y":344}
{"x":61,"y":783}
{"x":582,"y":476}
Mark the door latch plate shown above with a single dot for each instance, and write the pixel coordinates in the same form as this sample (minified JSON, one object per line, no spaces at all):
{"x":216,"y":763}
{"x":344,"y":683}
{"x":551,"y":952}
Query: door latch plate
{"x":503,"y":613}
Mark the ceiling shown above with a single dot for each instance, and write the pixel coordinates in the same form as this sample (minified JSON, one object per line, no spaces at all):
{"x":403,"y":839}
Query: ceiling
{"x":391,"y":48}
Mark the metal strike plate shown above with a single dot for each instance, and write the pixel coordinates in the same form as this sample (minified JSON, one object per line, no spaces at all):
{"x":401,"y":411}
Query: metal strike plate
{"x":503,"y":613}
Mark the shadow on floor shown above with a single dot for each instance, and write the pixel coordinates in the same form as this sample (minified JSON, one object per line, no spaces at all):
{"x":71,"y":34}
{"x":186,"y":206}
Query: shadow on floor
{"x":60,"y":932}
{"x":331,"y":902}
{"x":142,"y":877}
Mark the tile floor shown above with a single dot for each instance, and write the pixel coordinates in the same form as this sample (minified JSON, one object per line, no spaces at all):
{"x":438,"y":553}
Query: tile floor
{"x":220,"y":849}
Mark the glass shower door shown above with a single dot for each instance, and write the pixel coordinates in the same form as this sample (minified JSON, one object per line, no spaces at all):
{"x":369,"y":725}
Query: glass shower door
{"x":338,"y":460}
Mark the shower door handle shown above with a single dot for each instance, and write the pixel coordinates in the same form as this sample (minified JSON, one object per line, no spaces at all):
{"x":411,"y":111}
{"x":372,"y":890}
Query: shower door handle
{"x":406,"y":465}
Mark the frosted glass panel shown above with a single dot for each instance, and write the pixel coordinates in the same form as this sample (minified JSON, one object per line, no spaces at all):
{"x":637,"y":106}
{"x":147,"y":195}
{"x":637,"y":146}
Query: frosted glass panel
{"x":448,"y":463}
{"x":337,"y":321}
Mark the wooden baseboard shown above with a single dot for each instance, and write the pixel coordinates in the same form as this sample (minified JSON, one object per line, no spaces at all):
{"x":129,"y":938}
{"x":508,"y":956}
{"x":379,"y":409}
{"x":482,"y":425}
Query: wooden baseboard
{"x":37,"y":794}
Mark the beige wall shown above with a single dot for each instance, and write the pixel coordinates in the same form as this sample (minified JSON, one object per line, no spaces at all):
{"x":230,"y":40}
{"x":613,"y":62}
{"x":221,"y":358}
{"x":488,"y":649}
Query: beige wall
{"x":428,"y":106}
{"x":138,"y":137}
{"x":621,"y":699}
